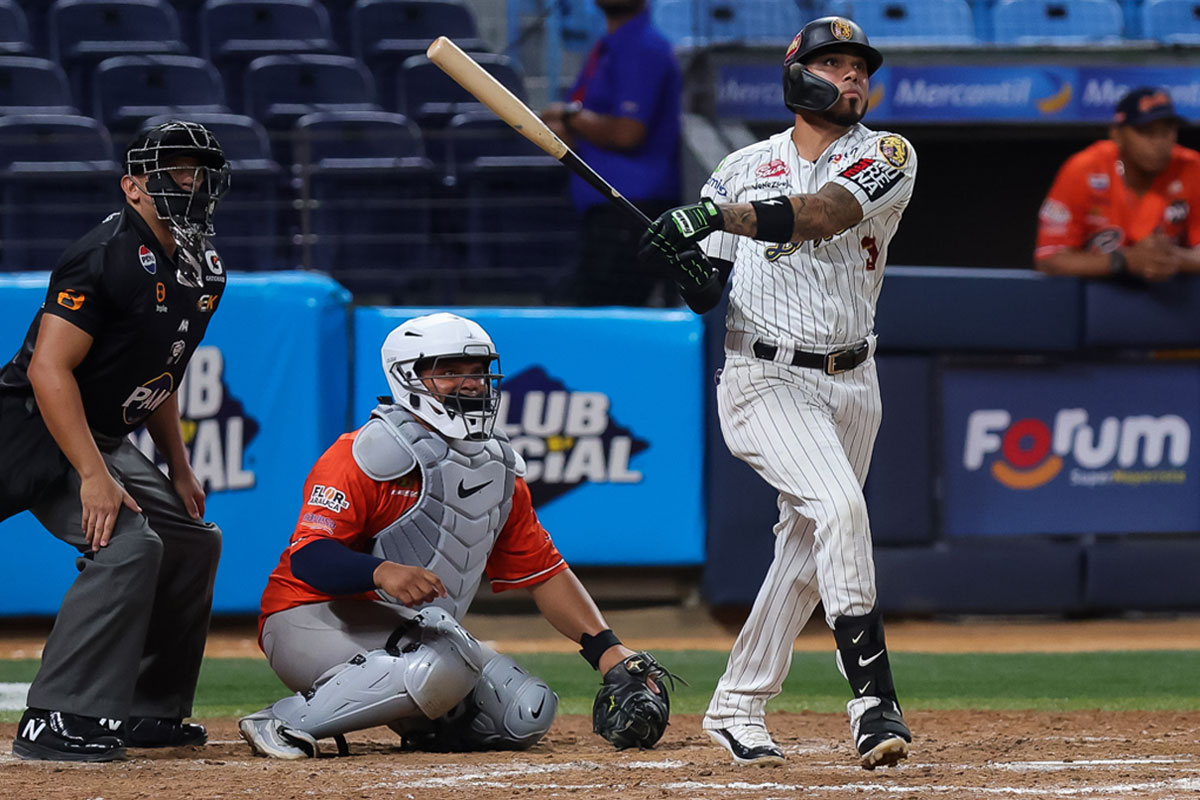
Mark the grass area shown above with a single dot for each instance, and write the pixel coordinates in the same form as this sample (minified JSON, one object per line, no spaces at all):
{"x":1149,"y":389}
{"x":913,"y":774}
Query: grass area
{"x":1144,"y":680}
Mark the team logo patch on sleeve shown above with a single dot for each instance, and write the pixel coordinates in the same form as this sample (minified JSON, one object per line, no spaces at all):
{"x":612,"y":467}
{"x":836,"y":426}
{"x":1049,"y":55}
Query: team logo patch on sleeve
{"x":70,"y":299}
{"x":329,"y":497}
{"x":894,"y":151}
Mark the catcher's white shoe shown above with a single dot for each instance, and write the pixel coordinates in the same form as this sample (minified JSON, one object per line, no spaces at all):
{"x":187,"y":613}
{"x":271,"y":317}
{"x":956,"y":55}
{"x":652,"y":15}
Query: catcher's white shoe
{"x":750,"y":745}
{"x":269,"y":737}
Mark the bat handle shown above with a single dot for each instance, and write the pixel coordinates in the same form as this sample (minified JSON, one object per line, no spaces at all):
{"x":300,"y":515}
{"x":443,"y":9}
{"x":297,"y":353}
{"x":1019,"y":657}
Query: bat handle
{"x":580,"y":168}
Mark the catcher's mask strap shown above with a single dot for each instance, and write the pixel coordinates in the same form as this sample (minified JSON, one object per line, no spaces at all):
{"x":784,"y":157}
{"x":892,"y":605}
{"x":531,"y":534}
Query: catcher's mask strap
{"x":594,"y":646}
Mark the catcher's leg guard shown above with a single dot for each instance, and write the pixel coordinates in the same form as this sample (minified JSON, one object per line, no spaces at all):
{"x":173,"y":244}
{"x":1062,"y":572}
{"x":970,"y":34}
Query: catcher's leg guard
{"x":509,"y":709}
{"x":426,"y":669}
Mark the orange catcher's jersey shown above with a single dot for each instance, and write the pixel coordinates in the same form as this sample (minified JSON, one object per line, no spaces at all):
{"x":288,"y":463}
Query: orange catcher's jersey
{"x":342,"y":503}
{"x":1089,"y":207}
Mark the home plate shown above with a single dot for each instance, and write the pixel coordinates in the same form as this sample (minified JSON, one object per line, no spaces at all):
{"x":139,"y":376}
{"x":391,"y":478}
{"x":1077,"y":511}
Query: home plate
{"x":12,"y":696}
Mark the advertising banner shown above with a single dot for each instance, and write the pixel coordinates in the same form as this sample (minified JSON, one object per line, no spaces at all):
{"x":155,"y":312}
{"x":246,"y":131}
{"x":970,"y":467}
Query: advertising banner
{"x":1014,"y":93}
{"x":1079,"y":448}
{"x":262,"y":397}
{"x":605,"y":408}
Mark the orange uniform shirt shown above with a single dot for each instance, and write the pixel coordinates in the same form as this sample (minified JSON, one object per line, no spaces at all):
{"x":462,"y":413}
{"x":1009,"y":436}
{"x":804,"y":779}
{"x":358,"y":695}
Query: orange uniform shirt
{"x":342,"y":503}
{"x":1090,"y":208}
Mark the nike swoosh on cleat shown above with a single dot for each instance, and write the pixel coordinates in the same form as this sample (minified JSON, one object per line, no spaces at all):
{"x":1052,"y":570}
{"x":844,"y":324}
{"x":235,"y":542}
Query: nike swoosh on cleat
{"x":464,"y":492}
{"x":862,"y":662}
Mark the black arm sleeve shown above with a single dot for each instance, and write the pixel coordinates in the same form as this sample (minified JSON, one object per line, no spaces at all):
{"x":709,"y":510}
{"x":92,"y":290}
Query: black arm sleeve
{"x":330,"y":567}
{"x":706,"y":297}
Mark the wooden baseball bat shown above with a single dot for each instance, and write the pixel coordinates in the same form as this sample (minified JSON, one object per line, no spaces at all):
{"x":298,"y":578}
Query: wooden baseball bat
{"x":508,"y":107}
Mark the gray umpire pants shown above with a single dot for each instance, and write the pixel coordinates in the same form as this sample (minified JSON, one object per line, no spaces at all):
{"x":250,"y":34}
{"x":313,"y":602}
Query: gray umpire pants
{"x":129,"y":636}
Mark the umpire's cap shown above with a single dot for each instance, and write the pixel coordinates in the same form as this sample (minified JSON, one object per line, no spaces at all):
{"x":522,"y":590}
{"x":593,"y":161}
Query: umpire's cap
{"x":801,"y":89}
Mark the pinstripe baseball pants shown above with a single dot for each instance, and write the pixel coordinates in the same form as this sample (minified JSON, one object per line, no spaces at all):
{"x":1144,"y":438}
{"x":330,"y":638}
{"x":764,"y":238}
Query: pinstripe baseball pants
{"x":810,"y":435}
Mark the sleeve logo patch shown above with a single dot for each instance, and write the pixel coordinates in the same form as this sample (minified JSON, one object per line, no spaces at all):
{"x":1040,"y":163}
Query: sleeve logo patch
{"x":874,"y":177}
{"x":70,"y":299}
{"x":894,"y":151}
{"x":149,"y":262}
{"x":1054,"y":212}
{"x":329,"y":497}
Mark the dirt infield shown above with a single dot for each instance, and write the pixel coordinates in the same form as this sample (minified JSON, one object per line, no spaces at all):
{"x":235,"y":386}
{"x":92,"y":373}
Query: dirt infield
{"x":956,"y":754}
{"x":959,"y":754}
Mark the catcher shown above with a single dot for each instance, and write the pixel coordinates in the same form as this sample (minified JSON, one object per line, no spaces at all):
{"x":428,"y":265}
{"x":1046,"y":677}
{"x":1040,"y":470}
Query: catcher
{"x":402,"y":517}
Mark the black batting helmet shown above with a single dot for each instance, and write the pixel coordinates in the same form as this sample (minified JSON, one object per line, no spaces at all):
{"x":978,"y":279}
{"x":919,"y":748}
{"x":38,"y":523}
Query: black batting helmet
{"x":804,"y":91}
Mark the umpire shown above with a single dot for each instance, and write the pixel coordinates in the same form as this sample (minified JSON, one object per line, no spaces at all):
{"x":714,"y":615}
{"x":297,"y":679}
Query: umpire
{"x":126,"y":307}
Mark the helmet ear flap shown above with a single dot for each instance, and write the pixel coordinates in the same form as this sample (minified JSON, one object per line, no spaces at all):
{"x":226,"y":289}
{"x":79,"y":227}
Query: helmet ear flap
{"x":804,"y":91}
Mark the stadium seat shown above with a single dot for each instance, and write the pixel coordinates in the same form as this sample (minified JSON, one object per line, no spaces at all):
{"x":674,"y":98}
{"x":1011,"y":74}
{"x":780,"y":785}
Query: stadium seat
{"x":33,"y":86}
{"x":1172,"y":21}
{"x":914,"y":23}
{"x":85,"y":32}
{"x":698,"y":22}
{"x":368,"y":189}
{"x":386,"y":32}
{"x":518,"y":223}
{"x":249,"y":219}
{"x":281,"y":89}
{"x":14,"y":30}
{"x":431,"y":98}
{"x":235,"y":32}
{"x":1064,"y":22}
{"x":129,"y":89}
{"x":58,"y":179}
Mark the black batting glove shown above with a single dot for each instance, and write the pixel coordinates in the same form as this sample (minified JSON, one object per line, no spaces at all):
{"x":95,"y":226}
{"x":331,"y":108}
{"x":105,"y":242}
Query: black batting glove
{"x":687,"y":225}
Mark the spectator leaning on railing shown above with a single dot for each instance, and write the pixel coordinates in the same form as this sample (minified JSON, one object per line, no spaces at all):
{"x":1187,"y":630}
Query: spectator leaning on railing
{"x":1128,"y":205}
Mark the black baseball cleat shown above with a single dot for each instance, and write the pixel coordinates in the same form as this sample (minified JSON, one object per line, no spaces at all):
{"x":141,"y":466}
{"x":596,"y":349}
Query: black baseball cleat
{"x":156,"y":732}
{"x":57,"y":736}
{"x":750,"y":745}
{"x":883,"y":738}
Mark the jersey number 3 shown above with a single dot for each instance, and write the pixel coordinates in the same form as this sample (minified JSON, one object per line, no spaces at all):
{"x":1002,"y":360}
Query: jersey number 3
{"x":868,"y":244}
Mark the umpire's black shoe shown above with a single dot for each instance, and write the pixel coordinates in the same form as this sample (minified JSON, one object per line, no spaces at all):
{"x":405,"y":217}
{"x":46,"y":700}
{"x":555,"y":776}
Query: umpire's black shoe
{"x":155,"y":732}
{"x":883,"y":737}
{"x":57,"y":736}
{"x":750,"y":745}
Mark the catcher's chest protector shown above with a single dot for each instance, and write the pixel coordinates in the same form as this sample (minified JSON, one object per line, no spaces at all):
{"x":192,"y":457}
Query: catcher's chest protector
{"x":466,"y":496}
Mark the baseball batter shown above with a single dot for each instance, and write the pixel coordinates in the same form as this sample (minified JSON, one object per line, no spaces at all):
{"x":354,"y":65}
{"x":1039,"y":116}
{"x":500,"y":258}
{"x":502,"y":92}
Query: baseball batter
{"x":803,"y":221}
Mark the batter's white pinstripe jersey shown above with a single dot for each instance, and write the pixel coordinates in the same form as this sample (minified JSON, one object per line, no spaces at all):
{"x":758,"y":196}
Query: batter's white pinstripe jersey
{"x":813,"y":295}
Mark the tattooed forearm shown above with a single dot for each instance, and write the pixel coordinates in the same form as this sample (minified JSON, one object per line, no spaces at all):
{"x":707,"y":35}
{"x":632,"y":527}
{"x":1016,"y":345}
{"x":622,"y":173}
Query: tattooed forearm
{"x":829,"y":211}
{"x":739,"y":218}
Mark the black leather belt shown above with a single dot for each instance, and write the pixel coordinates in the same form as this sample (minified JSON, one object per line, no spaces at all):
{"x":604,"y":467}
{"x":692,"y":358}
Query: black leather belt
{"x":829,"y":363}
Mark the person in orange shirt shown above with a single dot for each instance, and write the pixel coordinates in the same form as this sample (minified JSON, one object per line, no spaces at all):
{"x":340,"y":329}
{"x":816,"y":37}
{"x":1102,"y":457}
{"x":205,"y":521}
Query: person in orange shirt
{"x":1128,"y":205}
{"x":401,"y":519}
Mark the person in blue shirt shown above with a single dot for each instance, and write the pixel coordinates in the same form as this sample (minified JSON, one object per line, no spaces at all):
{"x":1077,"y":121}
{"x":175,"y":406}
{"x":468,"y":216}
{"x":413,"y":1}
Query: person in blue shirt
{"x":623,"y":118}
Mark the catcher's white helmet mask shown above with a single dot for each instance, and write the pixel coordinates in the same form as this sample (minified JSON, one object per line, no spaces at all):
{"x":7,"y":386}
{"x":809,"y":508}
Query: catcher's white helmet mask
{"x":423,"y":342}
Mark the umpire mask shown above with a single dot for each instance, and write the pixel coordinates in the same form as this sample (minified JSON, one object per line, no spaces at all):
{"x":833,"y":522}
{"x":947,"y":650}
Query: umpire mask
{"x":184,"y":197}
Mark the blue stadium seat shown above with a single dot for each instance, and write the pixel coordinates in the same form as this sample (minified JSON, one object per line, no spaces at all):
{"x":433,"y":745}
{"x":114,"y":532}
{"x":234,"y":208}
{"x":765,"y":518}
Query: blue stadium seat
{"x":129,"y":89}
{"x":33,"y":86}
{"x":58,"y":179}
{"x":36,"y":18}
{"x":14,"y":30}
{"x":518,"y":223}
{"x":369,"y":185}
{"x":281,"y":89}
{"x":431,"y":98}
{"x":698,"y":22}
{"x":250,"y":217}
{"x":1065,"y":22}
{"x":235,"y":32}
{"x":1172,"y":21}
{"x":386,"y":32}
{"x":915,"y":23}
{"x":85,"y":32}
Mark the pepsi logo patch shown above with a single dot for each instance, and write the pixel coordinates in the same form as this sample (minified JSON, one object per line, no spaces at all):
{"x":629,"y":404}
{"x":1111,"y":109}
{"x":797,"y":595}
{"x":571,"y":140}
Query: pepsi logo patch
{"x":772,"y":169}
{"x":149,"y":262}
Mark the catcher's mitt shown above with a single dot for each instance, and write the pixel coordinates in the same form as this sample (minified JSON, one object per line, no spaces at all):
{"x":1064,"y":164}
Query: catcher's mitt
{"x":627,"y":712}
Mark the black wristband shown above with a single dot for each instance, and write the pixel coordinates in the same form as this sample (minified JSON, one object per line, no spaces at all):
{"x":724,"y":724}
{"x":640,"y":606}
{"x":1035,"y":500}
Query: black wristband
{"x":1117,"y":265}
{"x":776,"y":220}
{"x":594,"y":646}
